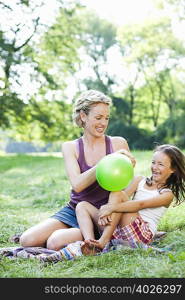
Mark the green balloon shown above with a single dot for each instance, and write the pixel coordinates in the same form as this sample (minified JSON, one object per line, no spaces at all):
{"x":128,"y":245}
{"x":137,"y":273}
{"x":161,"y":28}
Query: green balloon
{"x":114,"y":172}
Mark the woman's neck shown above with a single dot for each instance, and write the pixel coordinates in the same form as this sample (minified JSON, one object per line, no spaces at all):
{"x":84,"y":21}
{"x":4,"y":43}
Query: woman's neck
{"x":91,"y":140}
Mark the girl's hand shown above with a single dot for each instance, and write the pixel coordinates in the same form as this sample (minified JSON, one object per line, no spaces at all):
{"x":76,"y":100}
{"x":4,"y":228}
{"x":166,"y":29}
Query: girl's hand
{"x":105,"y":210}
{"x":104,"y":221}
{"x":128,"y":154}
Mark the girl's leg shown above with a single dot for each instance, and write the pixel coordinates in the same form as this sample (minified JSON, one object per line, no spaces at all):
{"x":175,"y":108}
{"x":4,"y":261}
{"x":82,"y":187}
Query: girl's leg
{"x":37,"y":235}
{"x":87,"y":216}
{"x":117,"y":218}
{"x":127,"y":218}
{"x":109,"y":229}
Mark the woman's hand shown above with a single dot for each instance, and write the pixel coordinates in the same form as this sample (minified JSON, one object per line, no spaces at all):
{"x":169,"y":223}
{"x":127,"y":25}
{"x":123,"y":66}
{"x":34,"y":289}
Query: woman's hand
{"x":128,"y":154}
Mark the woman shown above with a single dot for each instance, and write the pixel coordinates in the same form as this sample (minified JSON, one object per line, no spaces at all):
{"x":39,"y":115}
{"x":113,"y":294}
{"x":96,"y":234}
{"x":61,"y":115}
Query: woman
{"x":91,"y":112}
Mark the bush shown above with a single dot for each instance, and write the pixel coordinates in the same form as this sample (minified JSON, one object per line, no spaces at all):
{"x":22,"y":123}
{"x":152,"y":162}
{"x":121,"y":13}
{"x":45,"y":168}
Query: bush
{"x":137,"y":138}
{"x":172,"y":131}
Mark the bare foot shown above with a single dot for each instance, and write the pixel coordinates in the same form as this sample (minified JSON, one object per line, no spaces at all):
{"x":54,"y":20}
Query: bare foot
{"x":96,"y":243}
{"x":89,"y":247}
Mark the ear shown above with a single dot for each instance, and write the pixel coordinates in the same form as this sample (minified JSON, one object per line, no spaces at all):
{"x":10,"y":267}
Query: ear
{"x":83,"y":116}
{"x":173,"y":171}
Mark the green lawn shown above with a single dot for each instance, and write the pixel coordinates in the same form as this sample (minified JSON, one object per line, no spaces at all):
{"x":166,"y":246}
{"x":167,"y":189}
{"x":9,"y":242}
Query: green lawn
{"x":34,"y":187}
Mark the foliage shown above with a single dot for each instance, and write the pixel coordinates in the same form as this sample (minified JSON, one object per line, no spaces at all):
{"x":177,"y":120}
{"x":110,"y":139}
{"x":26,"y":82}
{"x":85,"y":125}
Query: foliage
{"x":154,"y":51}
{"x":51,"y":59}
{"x":136,"y":138}
{"x":99,"y":36}
{"x":177,"y":5}
{"x":78,"y":46}
{"x":10,"y":105}
{"x":13,"y":40}
{"x":47,"y":121}
{"x":56,"y":55}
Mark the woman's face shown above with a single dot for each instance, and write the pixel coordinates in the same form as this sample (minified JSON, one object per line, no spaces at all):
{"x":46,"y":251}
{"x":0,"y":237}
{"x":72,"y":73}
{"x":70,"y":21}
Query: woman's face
{"x":161,"y":167}
{"x":96,"y":121}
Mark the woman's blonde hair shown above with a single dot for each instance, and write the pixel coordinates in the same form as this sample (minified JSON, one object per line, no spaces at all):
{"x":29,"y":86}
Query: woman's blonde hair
{"x":84,"y":102}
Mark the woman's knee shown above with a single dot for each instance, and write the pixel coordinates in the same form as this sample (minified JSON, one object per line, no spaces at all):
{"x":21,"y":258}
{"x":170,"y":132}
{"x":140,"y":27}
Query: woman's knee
{"x":27,"y":240}
{"x":62,"y":237}
{"x":57,"y":240}
{"x":52,"y":244}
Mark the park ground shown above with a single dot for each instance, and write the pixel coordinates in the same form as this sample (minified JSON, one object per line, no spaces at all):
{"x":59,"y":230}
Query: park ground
{"x":33,"y":187}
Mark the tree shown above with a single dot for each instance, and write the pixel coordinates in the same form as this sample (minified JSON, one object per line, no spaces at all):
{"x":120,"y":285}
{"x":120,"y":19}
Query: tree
{"x":178,"y":7}
{"x":47,"y":121}
{"x":56,"y":54}
{"x":51,"y":55}
{"x":12,"y":45}
{"x":99,"y":37}
{"x":152,"y":49}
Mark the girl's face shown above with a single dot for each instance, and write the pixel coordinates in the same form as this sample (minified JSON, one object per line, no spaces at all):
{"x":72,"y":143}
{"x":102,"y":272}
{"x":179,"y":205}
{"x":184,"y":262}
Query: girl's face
{"x":96,"y":121}
{"x":161,"y":167}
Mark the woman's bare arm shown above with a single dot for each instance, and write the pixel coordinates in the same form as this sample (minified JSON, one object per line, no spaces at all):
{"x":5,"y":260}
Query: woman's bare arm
{"x":79,"y":181}
{"x":120,"y":145}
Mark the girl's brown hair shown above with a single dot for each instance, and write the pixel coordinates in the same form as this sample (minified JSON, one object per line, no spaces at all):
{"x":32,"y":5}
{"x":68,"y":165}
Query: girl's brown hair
{"x":176,"y":181}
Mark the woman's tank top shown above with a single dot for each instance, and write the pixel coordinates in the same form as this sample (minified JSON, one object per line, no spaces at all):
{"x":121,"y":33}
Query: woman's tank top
{"x":93,"y":194}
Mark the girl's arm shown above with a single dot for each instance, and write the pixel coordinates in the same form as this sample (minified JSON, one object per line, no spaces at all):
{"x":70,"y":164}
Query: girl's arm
{"x":121,"y":196}
{"x":132,"y":187}
{"x":163,"y":199}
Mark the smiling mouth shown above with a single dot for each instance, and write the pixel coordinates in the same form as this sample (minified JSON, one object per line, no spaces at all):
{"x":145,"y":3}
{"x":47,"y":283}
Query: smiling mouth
{"x":100,"y":129}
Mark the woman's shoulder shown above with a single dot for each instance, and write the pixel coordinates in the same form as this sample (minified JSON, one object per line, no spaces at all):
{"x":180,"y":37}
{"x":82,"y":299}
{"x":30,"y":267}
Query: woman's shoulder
{"x":69,"y":145}
{"x":119,"y":142}
{"x":119,"y":139}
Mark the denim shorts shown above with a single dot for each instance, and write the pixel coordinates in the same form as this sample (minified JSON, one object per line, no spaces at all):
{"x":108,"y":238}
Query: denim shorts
{"x":67,"y":215}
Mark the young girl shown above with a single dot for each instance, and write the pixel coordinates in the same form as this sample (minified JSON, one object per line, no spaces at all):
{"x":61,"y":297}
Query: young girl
{"x":135,"y":221}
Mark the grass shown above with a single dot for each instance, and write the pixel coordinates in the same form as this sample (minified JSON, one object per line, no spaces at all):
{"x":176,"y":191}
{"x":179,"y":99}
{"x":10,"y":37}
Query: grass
{"x":34,"y":187}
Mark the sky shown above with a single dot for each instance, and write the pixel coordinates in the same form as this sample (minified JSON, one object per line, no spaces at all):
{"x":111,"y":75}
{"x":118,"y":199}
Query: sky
{"x":121,"y":11}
